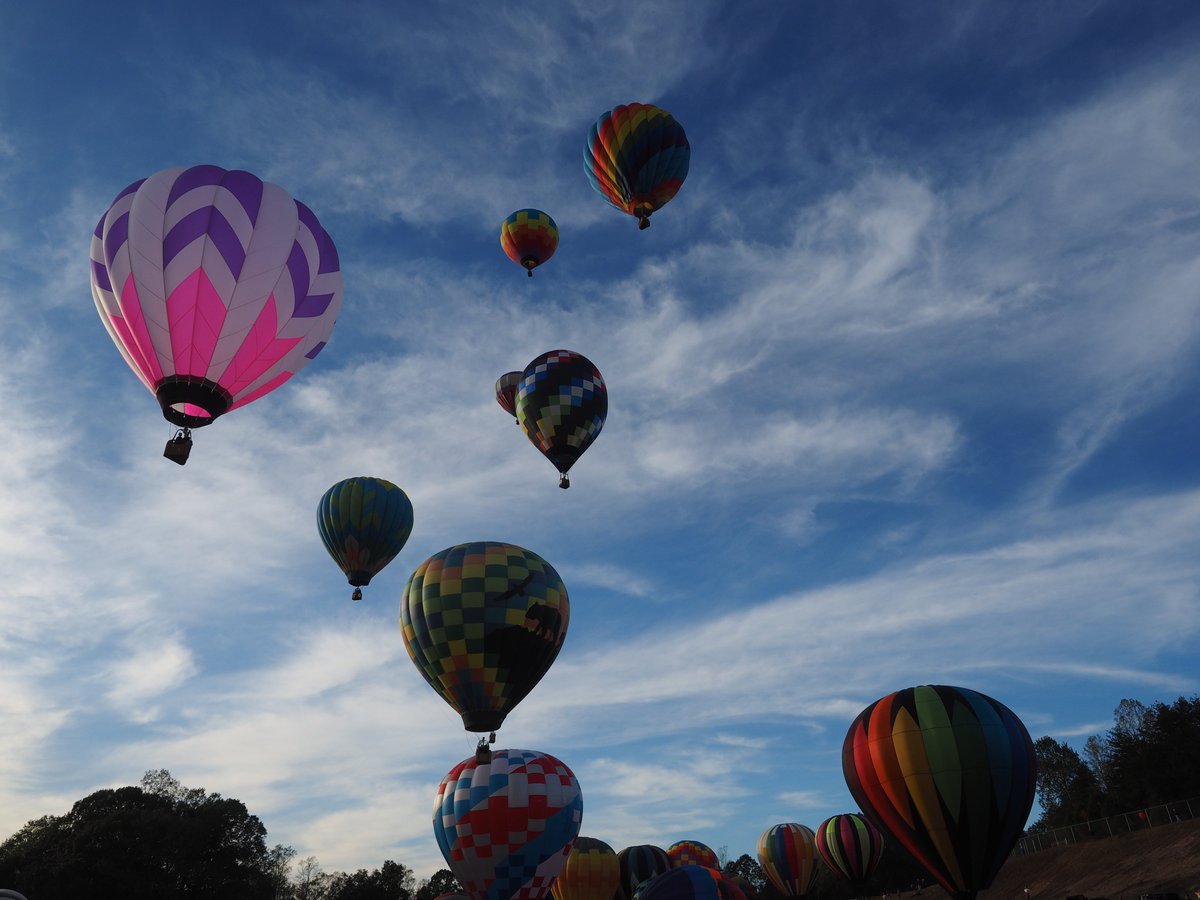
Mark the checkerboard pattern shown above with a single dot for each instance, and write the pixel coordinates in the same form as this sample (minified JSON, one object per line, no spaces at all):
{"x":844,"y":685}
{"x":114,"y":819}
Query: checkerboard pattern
{"x":692,"y":853}
{"x":465,"y":605}
{"x":562,"y":403}
{"x":506,"y":827}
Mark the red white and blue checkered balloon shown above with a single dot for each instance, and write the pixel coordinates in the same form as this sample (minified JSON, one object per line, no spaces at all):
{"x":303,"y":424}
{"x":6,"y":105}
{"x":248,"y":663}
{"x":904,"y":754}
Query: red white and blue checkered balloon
{"x":507,"y":826}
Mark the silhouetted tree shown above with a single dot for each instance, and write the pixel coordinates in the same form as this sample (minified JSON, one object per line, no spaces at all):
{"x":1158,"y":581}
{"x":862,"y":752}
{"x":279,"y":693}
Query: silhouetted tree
{"x":440,"y":882}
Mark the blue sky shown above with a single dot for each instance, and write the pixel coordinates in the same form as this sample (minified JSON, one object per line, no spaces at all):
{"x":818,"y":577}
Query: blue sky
{"x":902,"y":390}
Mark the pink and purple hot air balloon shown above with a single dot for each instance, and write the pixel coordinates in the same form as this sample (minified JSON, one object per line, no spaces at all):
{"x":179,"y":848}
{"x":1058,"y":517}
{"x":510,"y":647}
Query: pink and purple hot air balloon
{"x":216,"y":286}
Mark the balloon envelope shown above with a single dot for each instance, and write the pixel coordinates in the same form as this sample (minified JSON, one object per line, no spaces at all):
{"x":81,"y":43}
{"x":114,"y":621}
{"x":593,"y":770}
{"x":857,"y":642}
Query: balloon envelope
{"x":216,"y":287}
{"x":529,"y":237}
{"x":690,"y":882}
{"x":639,"y":863}
{"x":364,"y":522}
{"x":591,"y":872}
{"x":850,"y":845}
{"x":637,"y":157}
{"x":788,"y":856}
{"x":506,"y":391}
{"x":483,"y":622}
{"x":692,"y":853}
{"x":505,"y":827}
{"x":947,"y":772}
{"x":562,"y":403}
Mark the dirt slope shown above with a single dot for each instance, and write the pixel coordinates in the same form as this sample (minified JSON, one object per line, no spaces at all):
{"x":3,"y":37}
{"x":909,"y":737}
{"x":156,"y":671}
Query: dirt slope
{"x":1165,"y":859}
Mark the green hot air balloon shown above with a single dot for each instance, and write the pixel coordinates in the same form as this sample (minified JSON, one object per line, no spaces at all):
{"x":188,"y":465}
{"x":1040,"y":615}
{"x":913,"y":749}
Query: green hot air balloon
{"x":364,"y":522}
{"x":483,"y":622}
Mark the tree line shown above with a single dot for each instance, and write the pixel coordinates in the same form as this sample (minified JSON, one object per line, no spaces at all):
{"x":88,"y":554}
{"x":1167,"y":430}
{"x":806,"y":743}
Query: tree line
{"x":1150,"y":756}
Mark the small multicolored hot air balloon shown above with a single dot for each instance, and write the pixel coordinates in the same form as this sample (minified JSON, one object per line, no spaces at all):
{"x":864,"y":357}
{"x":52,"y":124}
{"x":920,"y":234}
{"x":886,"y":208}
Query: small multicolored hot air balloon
{"x":788,"y":856}
{"x":216,"y":287}
{"x":483,"y":622}
{"x":505,"y":827}
{"x":639,"y":863}
{"x":851,"y":846}
{"x":637,"y":157}
{"x":690,"y":882}
{"x":562,"y":403}
{"x":364,"y":522}
{"x":529,"y":237}
{"x":692,"y":853}
{"x":506,"y":392}
{"x":592,"y":872}
{"x":949,"y":774}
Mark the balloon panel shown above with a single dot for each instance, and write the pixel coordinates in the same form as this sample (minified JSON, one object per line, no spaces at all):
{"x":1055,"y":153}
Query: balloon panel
{"x":591,"y":872}
{"x":949,"y":773}
{"x":505,"y":827}
{"x":483,"y":622}
{"x":216,"y":286}
{"x":690,"y":882}
{"x":788,"y":856}
{"x":692,"y":853}
{"x":850,"y":845}
{"x":364,"y":522}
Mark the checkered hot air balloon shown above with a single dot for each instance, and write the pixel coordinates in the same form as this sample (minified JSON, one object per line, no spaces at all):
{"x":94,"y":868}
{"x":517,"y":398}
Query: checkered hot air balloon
{"x":364,"y":522}
{"x":636,"y":157}
{"x":949,"y":774}
{"x":216,"y":287}
{"x":692,"y":853}
{"x":483,"y":622}
{"x":788,"y":856}
{"x":850,"y":845}
{"x":562,"y":403}
{"x":592,"y":872}
{"x":529,"y":237}
{"x":505,"y":827}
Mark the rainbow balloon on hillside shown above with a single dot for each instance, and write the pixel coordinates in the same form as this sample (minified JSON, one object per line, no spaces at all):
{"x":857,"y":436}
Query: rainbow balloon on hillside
{"x":949,"y":774}
{"x":529,"y":237}
{"x":850,"y":845}
{"x":216,"y":287}
{"x":788,"y":855}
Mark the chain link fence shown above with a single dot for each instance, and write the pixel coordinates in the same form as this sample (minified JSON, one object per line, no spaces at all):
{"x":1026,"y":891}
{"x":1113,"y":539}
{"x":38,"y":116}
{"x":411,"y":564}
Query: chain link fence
{"x":1109,"y":826}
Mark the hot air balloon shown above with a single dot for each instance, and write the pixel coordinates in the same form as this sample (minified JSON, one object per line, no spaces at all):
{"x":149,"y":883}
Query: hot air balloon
{"x":483,"y":622}
{"x":949,"y":774}
{"x":692,"y":853}
{"x":561,"y":405}
{"x":639,"y":863}
{"x":364,"y":522}
{"x":506,"y":392}
{"x":592,"y":872}
{"x":506,"y":826}
{"x":529,"y":237}
{"x":216,"y":287}
{"x":690,"y":882}
{"x":637,"y":157}
{"x":788,"y":856}
{"x":851,"y":846}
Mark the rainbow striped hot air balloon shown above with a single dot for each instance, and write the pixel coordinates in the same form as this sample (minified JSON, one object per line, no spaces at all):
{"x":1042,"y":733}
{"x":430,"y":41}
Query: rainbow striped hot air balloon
{"x":788,"y":855}
{"x":850,"y":845}
{"x":216,"y":287}
{"x":637,"y":157}
{"x":949,"y":774}
{"x":506,"y":392}
{"x":529,"y":237}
